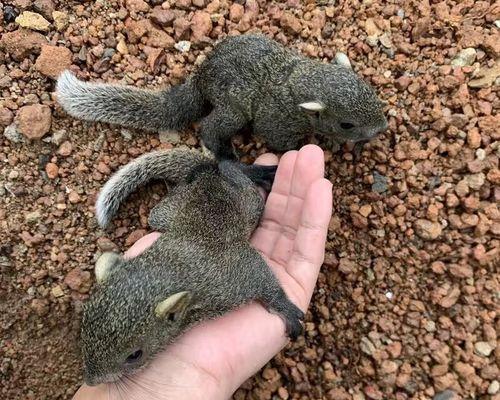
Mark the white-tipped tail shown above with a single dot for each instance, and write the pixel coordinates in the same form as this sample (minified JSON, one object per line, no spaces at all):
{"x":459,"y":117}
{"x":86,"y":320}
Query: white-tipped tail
{"x":171,"y":165}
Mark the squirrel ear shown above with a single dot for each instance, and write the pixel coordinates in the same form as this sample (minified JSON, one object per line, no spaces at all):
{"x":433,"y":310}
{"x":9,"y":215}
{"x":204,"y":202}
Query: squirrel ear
{"x":104,"y":265}
{"x":314,"y":106}
{"x":173,"y":304}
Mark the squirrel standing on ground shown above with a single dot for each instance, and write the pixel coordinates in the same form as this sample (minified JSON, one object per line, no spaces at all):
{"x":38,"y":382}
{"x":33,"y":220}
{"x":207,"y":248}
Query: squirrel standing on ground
{"x":247,"y":80}
{"x":200,"y":267}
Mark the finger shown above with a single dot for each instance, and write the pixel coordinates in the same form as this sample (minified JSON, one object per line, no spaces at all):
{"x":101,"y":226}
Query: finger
{"x":309,"y":247}
{"x":92,"y":392}
{"x":267,"y":159}
{"x":309,"y":167}
{"x":141,"y":245}
{"x":269,"y":228}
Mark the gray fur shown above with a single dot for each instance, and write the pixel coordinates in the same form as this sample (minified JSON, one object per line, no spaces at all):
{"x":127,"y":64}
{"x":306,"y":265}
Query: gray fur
{"x":245,"y":80}
{"x":204,"y":250}
{"x":172,"y":165}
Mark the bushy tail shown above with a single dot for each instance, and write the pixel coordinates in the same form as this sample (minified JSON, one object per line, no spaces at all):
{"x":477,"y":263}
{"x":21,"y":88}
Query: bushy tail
{"x":173,"y":108}
{"x":171,"y":165}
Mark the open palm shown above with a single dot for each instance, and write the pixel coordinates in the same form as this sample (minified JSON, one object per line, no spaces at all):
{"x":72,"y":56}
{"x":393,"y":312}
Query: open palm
{"x":214,"y":358}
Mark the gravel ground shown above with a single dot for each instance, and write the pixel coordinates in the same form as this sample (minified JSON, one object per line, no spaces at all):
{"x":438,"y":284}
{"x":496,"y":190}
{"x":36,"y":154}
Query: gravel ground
{"x":406,"y":306}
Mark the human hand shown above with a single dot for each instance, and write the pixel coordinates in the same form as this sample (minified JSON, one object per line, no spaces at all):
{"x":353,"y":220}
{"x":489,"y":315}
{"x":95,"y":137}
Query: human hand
{"x":215,"y":357}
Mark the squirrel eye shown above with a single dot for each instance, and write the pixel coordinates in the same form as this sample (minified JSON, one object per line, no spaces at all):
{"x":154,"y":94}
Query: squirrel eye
{"x":134,"y":357}
{"x":346,"y":125}
{"x":171,"y":317}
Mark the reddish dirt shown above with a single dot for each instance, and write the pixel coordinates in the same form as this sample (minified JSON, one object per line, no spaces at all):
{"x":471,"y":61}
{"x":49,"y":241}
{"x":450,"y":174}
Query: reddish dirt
{"x":406,"y":306}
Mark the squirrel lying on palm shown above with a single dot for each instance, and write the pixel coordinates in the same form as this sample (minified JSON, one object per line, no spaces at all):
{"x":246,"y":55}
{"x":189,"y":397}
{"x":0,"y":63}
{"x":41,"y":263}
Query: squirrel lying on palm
{"x":247,"y":80}
{"x":201,"y":266}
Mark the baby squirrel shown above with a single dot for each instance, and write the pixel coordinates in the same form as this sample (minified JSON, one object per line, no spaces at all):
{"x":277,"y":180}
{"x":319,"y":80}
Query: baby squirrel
{"x":247,"y":80}
{"x":200,"y":267}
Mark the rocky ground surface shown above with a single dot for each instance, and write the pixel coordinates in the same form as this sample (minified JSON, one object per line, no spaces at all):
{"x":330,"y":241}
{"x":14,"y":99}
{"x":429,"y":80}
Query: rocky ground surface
{"x":406,"y":306}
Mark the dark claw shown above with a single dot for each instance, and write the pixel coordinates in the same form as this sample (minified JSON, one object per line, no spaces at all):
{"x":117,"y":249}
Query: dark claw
{"x":293,"y":322}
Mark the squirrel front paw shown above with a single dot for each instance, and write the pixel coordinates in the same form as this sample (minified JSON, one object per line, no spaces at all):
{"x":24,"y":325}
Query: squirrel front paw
{"x":293,"y":317}
{"x":289,"y":312}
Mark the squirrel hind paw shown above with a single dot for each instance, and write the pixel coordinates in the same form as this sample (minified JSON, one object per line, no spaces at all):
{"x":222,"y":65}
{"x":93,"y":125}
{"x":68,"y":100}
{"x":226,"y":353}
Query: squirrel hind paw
{"x":262,"y":175}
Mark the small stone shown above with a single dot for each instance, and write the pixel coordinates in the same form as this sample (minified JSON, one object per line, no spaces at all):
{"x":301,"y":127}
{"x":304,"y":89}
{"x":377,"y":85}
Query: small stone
{"x":373,"y":393}
{"x":428,"y":230}
{"x":465,"y":57}
{"x":367,"y":346}
{"x":6,"y":116}
{"x":379,"y":183}
{"x":430,"y":326}
{"x":78,"y":280}
{"x":53,"y":60}
{"x":61,"y":20}
{"x":34,"y":121}
{"x":172,"y":137}
{"x":483,"y":349}
{"x":40,"y":306}
{"x":32,"y":217}
{"x":65,"y":149}
{"x":134,"y":236}
{"x":236,"y":12}
{"x":493,"y":387}
{"x":57,"y":291}
{"x":59,"y":136}
{"x":485,"y":77}
{"x":106,"y":244}
{"x":183,"y":4}
{"x":33,"y":21}
{"x":451,"y":297}
{"x":283,"y":393}
{"x":12,"y":134}
{"x":9,"y":13}
{"x":52,"y":170}
{"x":290,"y":23}
{"x":21,"y":43}
{"x":162,"y":17}
{"x":13,"y":175}
{"x":365,"y":210}
{"x":103,"y":168}
{"x":137,"y":5}
{"x":464,"y":370}
{"x":342,"y":59}
{"x":181,"y":28}
{"x":475,"y":181}
{"x":371,"y":28}
{"x":159,"y":38}
{"x":388,"y":367}
{"x":121,"y":47}
{"x":73,"y":197}
{"x":201,"y":26}
{"x":183,"y":46}
{"x":156,"y":57}
{"x":126,"y":134}
{"x":445,"y":395}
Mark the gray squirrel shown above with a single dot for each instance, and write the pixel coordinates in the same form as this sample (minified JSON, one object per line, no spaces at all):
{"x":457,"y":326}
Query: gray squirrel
{"x":200,"y":267}
{"x":247,"y":80}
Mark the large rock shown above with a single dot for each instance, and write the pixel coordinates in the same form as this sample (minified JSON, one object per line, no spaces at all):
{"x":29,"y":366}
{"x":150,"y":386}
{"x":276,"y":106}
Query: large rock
{"x":33,"y":21}
{"x":21,"y":43}
{"x":34,"y":121}
{"x":53,"y":60}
